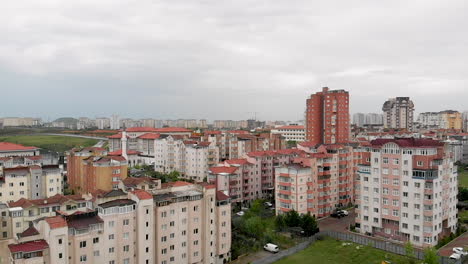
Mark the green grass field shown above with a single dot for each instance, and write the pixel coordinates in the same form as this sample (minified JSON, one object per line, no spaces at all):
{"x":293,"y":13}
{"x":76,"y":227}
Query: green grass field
{"x":462,"y":178}
{"x":54,"y":143}
{"x":331,"y":251}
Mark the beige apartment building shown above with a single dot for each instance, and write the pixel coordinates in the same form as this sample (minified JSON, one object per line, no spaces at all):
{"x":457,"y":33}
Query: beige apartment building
{"x":177,"y":222}
{"x":30,"y":182}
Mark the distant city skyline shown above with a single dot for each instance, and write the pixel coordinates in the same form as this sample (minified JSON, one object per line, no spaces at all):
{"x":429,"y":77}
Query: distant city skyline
{"x":226,"y":60}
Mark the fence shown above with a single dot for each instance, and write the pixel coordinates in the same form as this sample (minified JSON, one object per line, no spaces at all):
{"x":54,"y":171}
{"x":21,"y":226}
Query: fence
{"x":352,"y":237}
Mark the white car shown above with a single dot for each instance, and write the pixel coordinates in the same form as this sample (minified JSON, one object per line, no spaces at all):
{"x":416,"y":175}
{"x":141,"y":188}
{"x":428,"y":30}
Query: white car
{"x":459,"y":251}
{"x":271,"y":247}
{"x":455,"y":256}
{"x":240,"y":213}
{"x":344,"y":212}
{"x":268,"y":204}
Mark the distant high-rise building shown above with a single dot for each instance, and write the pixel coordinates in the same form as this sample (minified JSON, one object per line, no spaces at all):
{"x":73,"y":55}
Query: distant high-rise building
{"x":465,"y":121}
{"x":115,"y":122}
{"x":398,"y":113}
{"x":327,"y":117}
{"x":359,"y":119}
{"x":373,"y":119}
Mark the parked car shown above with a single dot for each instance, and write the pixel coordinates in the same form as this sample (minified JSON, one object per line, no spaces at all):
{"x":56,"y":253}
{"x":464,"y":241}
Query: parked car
{"x":271,"y":247}
{"x":336,"y":215}
{"x":240,"y":213}
{"x":455,"y":256}
{"x":344,"y":212}
{"x":268,"y":204}
{"x":459,"y":251}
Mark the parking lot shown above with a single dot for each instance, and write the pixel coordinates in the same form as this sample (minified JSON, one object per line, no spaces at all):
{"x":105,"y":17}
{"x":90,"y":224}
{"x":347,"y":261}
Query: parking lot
{"x":461,"y":241}
{"x":337,"y":224}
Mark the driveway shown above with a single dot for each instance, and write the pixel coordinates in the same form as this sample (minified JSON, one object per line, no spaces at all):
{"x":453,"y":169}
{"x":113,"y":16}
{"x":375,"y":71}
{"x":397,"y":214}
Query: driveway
{"x":249,"y":258}
{"x":461,"y":241}
{"x":337,"y":224}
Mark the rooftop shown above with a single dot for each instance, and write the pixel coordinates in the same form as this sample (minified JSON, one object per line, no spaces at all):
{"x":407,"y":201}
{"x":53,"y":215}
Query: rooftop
{"x":408,"y":142}
{"x":7,"y":146}
{"x":117,"y":202}
{"x":30,"y":246}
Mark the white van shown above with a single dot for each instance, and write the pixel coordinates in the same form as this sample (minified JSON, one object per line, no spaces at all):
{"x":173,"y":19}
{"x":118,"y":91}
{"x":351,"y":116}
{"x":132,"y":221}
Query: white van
{"x":271,"y":247}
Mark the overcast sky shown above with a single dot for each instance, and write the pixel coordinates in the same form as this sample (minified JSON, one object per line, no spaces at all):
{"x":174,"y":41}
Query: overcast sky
{"x":228,"y":59}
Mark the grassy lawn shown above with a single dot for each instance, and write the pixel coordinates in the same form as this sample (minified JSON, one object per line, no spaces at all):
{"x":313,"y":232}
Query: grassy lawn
{"x":331,"y":251}
{"x":463,"y":215}
{"x":54,"y":143}
{"x":462,"y":177}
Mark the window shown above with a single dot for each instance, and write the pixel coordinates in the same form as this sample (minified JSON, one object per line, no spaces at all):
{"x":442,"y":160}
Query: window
{"x":184,"y":244}
{"x":111,"y":236}
{"x":195,"y":242}
{"x":172,"y":223}
{"x":385,"y":201}
{"x":126,"y":222}
{"x":417,"y":206}
{"x":172,"y":247}
{"x":111,"y":250}
{"x":126,"y":261}
{"x":405,"y":183}
{"x":163,"y":214}
{"x":417,"y":185}
{"x":420,"y":163}
{"x":405,"y":225}
{"x":385,"y":211}
{"x":405,"y":205}
{"x":95,"y":240}
{"x":405,"y":215}
{"x":195,"y":231}
{"x":395,"y":212}
{"x":112,"y":262}
{"x":396,"y":182}
{"x":395,"y":192}
{"x":126,"y":248}
{"x":385,"y":171}
{"x":60,"y":255}
{"x":60,"y":241}
{"x":126,"y":235}
{"x":416,"y":217}
{"x":82,"y":244}
{"x":184,"y":209}
{"x":405,"y":194}
{"x":396,"y":161}
{"x":195,"y":208}
{"x":172,"y":235}
{"x":385,"y":181}
{"x":416,"y":228}
{"x":83,"y":258}
{"x":395,"y":202}
{"x":111,"y":223}
{"x":385,"y":160}
{"x":163,"y":239}
{"x":96,"y":253}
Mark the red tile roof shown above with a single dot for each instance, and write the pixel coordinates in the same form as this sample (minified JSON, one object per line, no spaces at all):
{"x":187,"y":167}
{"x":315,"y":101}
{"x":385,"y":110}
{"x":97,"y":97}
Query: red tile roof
{"x":39,"y":157}
{"x":220,"y":196}
{"x":7,"y":146}
{"x":207,"y":185}
{"x":119,"y":135}
{"x":237,"y":161}
{"x":408,"y":142}
{"x":141,"y":129}
{"x":222,"y":169}
{"x":175,"y":184}
{"x":56,"y":222}
{"x":150,"y":136}
{"x":142,"y":195}
{"x":81,"y":221}
{"x":56,"y":199}
{"x":31,"y":231}
{"x":137,"y":180}
{"x":30,"y":246}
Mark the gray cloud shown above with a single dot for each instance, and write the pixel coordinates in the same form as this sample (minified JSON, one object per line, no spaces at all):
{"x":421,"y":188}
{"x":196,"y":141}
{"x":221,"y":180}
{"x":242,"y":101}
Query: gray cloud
{"x":226,"y":59}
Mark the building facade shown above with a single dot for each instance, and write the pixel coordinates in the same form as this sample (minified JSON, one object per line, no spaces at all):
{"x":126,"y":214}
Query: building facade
{"x":407,"y":191}
{"x":327,"y":117}
{"x":398,"y":113}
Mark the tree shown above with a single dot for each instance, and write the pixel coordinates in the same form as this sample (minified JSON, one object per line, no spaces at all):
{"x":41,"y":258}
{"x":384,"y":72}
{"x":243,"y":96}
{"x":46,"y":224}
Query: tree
{"x":409,"y":250}
{"x":254,"y":226}
{"x":279,"y":222}
{"x":430,"y":256}
{"x":462,"y":194}
{"x":308,"y":224}
{"x":292,"y":219}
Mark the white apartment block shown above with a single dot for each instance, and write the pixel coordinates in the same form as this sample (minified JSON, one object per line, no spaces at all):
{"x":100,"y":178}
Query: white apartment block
{"x":290,"y":133}
{"x":407,"y":191}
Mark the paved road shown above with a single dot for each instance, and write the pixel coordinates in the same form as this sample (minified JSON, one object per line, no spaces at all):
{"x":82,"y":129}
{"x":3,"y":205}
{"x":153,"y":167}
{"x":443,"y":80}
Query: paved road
{"x":337,"y":224}
{"x":72,"y":135}
{"x":461,"y":241}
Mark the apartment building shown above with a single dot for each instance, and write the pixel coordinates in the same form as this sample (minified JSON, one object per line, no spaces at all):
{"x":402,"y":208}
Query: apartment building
{"x":178,"y":223}
{"x":327,"y":117}
{"x":398,"y":113}
{"x":407,"y":191}
{"x":447,"y":119}
{"x":252,"y":177}
{"x":291,"y":132}
{"x":30,"y":182}
{"x":91,"y":169}
{"x":318,"y":182}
